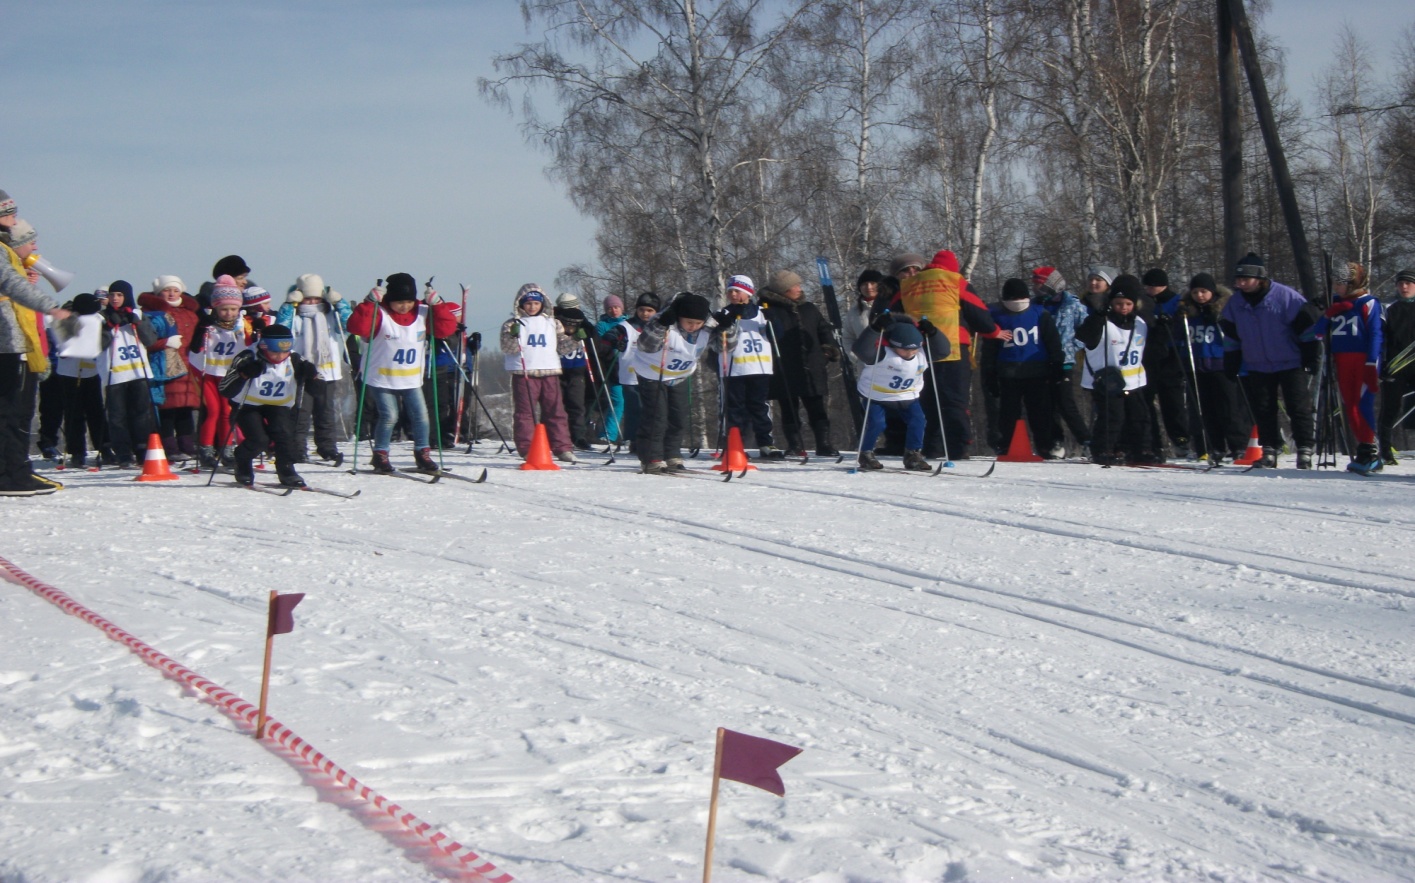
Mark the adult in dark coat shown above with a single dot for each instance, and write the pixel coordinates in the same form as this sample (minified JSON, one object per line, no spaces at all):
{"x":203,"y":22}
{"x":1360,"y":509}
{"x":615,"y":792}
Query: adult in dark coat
{"x":804,"y":343}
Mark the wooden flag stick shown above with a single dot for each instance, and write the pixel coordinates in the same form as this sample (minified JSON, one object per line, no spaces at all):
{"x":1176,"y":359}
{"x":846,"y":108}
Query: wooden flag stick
{"x":265,"y":677}
{"x":712,"y":808}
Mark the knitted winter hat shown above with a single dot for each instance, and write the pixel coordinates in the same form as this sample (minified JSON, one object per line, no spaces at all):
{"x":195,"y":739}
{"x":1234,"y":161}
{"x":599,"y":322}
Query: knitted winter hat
{"x":613,"y":301}
{"x":1405,"y":276}
{"x":783,"y":281}
{"x":7,"y":204}
{"x":1205,"y":281}
{"x":904,"y":336}
{"x":692,"y":306}
{"x":226,"y":292}
{"x":903,"y":261}
{"x":1126,"y":286}
{"x":123,"y":287}
{"x":1352,"y":273}
{"x":310,"y":285}
{"x":23,"y":233}
{"x":255,"y":297}
{"x":400,"y":286}
{"x":529,"y":291}
{"x":277,"y":339}
{"x":162,"y":283}
{"x":1251,"y":265}
{"x":86,"y":304}
{"x":1104,"y":272}
{"x":945,"y":260}
{"x":231,"y":265}
{"x":568,"y":301}
{"x":1052,"y":284}
{"x":1041,"y":274}
{"x":868,"y":276}
{"x":742,"y":283}
{"x":648,"y":299}
{"x":1155,"y":277}
{"x":1015,"y":289}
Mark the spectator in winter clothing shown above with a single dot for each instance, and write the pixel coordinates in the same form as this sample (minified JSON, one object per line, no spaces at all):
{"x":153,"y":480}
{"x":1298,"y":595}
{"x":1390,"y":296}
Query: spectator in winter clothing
{"x":1397,"y":367}
{"x":857,"y":317}
{"x":1268,"y":343}
{"x":23,"y":357}
{"x":1352,"y":325}
{"x":264,"y":385}
{"x":232,"y":265}
{"x":612,"y":317}
{"x":1098,"y":280}
{"x":576,"y":372}
{"x":175,"y":387}
{"x":804,"y":343}
{"x":623,"y":339}
{"x":255,"y":302}
{"x":440,"y":389}
{"x":126,"y":372}
{"x":1222,"y":431}
{"x":317,"y":316}
{"x":745,"y":366}
{"x":1164,"y":366}
{"x":890,"y":383}
{"x":1115,"y":373}
{"x":669,"y":347}
{"x":82,"y":339}
{"x":1025,"y":368}
{"x":1067,"y":311}
{"x":533,"y":342}
{"x":399,"y":331}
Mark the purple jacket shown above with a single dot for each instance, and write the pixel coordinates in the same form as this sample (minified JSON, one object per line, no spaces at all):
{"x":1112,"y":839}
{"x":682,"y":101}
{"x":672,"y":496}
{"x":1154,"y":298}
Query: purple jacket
{"x":1264,"y":333}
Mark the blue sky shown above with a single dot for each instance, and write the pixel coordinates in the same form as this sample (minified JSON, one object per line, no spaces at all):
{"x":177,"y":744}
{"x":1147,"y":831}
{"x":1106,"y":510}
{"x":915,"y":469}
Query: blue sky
{"x":341,"y":138}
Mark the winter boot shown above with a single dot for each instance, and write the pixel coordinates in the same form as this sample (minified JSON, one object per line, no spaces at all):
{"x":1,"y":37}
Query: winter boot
{"x":654,"y":467}
{"x":566,"y":457}
{"x":332,"y":455}
{"x":914,"y":461}
{"x":51,"y":453}
{"x":226,"y":458}
{"x":824,"y":446}
{"x":772,"y":452}
{"x":106,"y":456}
{"x":380,"y":463}
{"x":288,"y":476}
{"x":206,"y":456}
{"x":1268,"y":460}
{"x":868,"y":461}
{"x":78,"y":461}
{"x":1366,"y":460}
{"x":675,"y":464}
{"x":1390,"y":458}
{"x":425,"y":463}
{"x":1304,"y":457}
{"x":245,"y":472}
{"x":1057,"y":451}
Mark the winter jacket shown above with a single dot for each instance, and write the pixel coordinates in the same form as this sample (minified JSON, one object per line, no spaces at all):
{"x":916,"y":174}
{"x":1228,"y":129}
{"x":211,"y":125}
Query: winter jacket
{"x":168,"y":320}
{"x":1165,"y":349}
{"x":1399,"y":335}
{"x":579,"y":358}
{"x":853,"y":324}
{"x":1068,"y":313}
{"x":804,"y":343}
{"x":869,"y":350}
{"x":1354,"y":325}
{"x":1204,"y":329}
{"x":1033,"y":353}
{"x":1267,"y":329}
{"x":16,"y":291}
{"x":441,"y":317}
{"x":342,"y":308}
{"x":233,"y":383}
{"x":511,"y":334}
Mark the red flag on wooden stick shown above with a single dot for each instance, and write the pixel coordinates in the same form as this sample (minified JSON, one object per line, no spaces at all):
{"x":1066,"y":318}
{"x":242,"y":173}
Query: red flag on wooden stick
{"x":753,"y":761}
{"x":282,"y":614}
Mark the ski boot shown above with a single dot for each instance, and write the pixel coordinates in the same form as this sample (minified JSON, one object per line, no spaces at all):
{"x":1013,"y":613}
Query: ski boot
{"x":226,"y":458}
{"x":869,"y":462}
{"x":51,"y":453}
{"x":772,"y":452}
{"x":380,"y":463}
{"x":78,"y":461}
{"x":914,"y":461}
{"x":1057,"y":451}
{"x":654,"y":467}
{"x":288,"y":476}
{"x":333,"y":456}
{"x":1390,"y":458}
{"x":674,"y":464}
{"x":425,"y":463}
{"x":244,"y":472}
{"x":206,"y":457}
{"x":1268,"y":460}
{"x":1366,"y":460}
{"x":566,"y":457}
{"x":1304,"y":457}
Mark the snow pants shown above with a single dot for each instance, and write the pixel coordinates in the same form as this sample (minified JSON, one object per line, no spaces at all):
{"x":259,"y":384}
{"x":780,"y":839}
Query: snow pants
{"x":83,"y":410}
{"x":1225,"y":418}
{"x":53,"y":402}
{"x":663,"y":419}
{"x":1262,"y":389}
{"x":1167,"y":404}
{"x":18,"y":391}
{"x":1358,"y":382}
{"x":911,"y":413}
{"x":130,"y":418}
{"x":262,"y":424}
{"x":1035,"y":394}
{"x":215,"y":429}
{"x":319,"y":408}
{"x":526,"y":394}
{"x":1122,"y":424}
{"x":747,"y":406}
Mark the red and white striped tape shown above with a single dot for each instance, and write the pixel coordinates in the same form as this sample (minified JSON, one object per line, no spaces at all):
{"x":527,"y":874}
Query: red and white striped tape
{"x":241,"y":710}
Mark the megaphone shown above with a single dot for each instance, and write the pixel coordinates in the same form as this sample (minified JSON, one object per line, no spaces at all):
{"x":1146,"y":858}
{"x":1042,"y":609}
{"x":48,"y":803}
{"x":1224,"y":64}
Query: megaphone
{"x":60,"y":279}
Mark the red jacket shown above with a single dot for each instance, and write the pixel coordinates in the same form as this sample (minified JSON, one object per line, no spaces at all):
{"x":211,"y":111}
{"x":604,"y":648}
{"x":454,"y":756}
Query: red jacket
{"x":443,"y":315}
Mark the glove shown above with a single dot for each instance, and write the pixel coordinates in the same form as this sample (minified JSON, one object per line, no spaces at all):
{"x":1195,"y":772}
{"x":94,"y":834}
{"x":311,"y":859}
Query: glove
{"x":1311,"y":356}
{"x":831,"y":352}
{"x":331,"y":296}
{"x":431,"y":296}
{"x":616,"y":338}
{"x":294,"y":296}
{"x":926,"y":328}
{"x":581,"y":333}
{"x":251,"y":369}
{"x":1336,"y":309}
{"x":668,"y":318}
{"x":461,"y":328}
{"x":723,"y":318}
{"x":205,"y":321}
{"x":1232,"y":364}
{"x":174,"y":342}
{"x":475,"y":339}
{"x":375,"y":295}
{"x":881,"y":322}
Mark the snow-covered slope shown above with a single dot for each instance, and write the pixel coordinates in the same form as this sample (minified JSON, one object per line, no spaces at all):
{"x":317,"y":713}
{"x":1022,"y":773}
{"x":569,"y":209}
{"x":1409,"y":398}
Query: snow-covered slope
{"x":1056,"y":672}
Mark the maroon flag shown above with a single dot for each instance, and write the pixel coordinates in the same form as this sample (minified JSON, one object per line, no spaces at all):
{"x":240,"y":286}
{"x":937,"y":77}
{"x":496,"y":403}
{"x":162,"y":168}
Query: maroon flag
{"x":282,"y":614}
{"x":753,"y":761}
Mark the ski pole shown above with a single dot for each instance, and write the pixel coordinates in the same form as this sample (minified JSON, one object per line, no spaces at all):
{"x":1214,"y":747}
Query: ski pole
{"x":506,"y":446}
{"x":938,"y":405}
{"x":865,"y":406}
{"x":608,"y":402}
{"x":363,"y":377}
{"x":432,"y":369}
{"x":789,"y":418}
{"x":1194,"y":381}
{"x":461,"y":359}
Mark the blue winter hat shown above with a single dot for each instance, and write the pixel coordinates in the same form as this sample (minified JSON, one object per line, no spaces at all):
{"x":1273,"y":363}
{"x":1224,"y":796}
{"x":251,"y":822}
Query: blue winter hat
{"x":904,"y":336}
{"x":277,"y":339}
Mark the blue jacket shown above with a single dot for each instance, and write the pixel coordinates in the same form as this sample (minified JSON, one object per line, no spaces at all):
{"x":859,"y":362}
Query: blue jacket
{"x":1354,"y":326}
{"x":1268,"y":333}
{"x":1068,"y":312}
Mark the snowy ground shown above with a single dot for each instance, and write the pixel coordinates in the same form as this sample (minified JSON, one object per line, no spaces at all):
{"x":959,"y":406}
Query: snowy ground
{"x":1059,"y":672}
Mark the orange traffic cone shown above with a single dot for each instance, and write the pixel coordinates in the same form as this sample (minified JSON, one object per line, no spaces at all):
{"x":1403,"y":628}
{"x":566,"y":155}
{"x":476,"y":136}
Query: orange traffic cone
{"x":1254,"y":452}
{"x":154,"y":463}
{"x":1020,"y":449}
{"x":539,"y":455}
{"x":734,"y":459}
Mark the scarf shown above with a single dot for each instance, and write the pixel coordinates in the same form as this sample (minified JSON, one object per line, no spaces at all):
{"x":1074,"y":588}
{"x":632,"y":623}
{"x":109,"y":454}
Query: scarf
{"x":312,"y":341}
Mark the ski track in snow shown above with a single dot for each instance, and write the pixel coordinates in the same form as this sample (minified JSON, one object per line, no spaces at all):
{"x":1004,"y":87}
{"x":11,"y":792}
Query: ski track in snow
{"x":1046,"y":674}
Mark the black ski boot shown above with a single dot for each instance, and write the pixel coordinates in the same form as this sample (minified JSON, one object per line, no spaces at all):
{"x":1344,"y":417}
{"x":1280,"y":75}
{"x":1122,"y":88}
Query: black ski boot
{"x":206,"y":457}
{"x":288,"y":476}
{"x":914,"y":461}
{"x":380,"y":463}
{"x":1268,"y":460}
{"x":245,"y":472}
{"x":1304,"y":457}
{"x":1366,"y":460}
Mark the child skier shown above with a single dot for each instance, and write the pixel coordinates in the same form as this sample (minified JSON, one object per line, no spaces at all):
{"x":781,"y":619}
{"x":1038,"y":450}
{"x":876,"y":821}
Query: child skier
{"x":1397,"y":368}
{"x":318,"y":315}
{"x":263,"y":385}
{"x":533,"y":342}
{"x":83,"y":338}
{"x":126,"y":373}
{"x":745,"y":365}
{"x":624,"y":339}
{"x":1224,"y":430}
{"x":1353,"y":325}
{"x":220,"y":334}
{"x":890,"y":382}
{"x":668,"y":351}
{"x":1049,"y":287}
{"x":1025,"y":368}
{"x":398,"y":328}
{"x":613,"y":418}
{"x":1114,"y":373}
{"x":576,"y":371}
